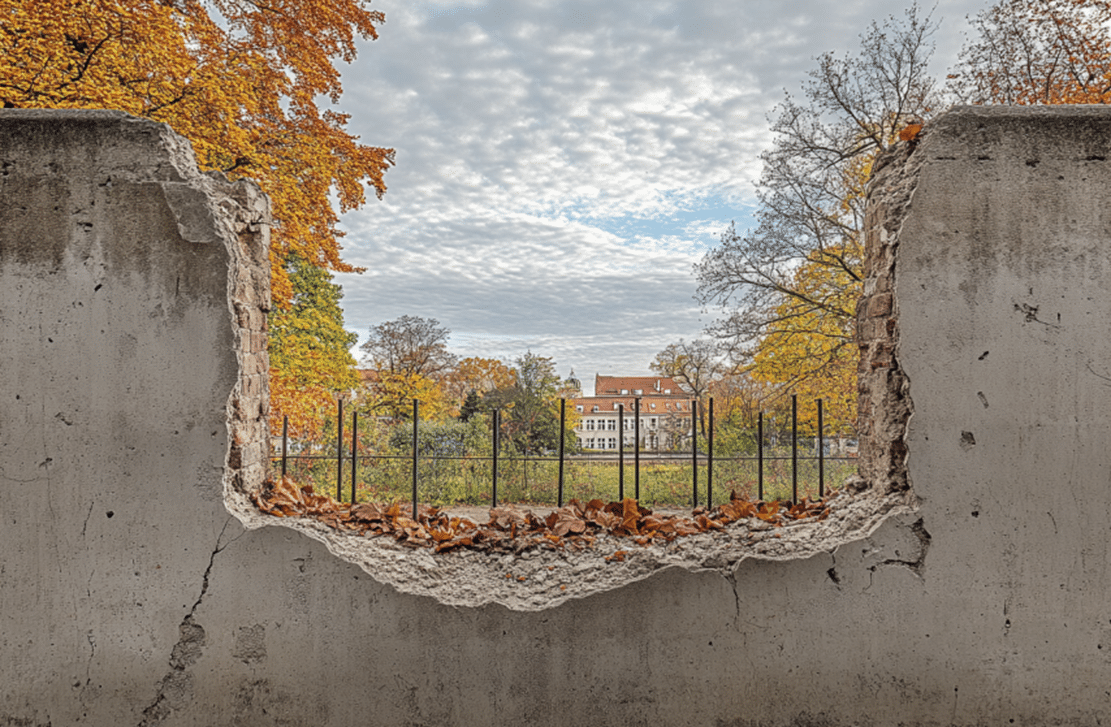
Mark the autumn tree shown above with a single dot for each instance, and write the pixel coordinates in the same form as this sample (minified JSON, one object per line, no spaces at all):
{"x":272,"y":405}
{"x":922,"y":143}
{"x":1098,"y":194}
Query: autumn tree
{"x":811,"y":355}
{"x":739,"y":400}
{"x":411,"y":361}
{"x":1038,"y":52}
{"x":811,"y":195}
{"x":309,"y":351}
{"x":241,"y":80}
{"x":531,"y":418}
{"x":474,"y":379}
{"x":694,"y":365}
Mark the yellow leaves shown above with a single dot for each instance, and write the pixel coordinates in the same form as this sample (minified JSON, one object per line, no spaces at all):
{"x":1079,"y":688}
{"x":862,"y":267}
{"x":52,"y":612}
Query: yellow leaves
{"x":809,"y":352}
{"x":243,"y":90}
{"x":392,"y":395}
{"x":310,"y":364}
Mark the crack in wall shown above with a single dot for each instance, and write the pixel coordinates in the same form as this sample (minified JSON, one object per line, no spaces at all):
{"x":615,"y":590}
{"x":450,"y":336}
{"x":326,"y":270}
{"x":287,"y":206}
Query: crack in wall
{"x":175,"y":690}
{"x":731,"y":576}
{"x":918,"y":564}
{"x":832,"y":572}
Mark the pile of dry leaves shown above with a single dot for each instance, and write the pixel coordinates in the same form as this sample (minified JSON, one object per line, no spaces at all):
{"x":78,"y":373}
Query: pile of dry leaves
{"x":512,"y":530}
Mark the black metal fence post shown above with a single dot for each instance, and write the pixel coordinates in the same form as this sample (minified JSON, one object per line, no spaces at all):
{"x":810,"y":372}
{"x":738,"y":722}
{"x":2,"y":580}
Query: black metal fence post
{"x":354,"y":453}
{"x":339,"y":454}
{"x":694,"y":453}
{"x":821,"y":455}
{"x":562,"y":437}
{"x":636,"y":449}
{"x":760,"y":457}
{"x":620,"y":451}
{"x":794,"y":448}
{"x":416,"y":420}
{"x":285,"y":442}
{"x":710,"y":459}
{"x":497,"y":426}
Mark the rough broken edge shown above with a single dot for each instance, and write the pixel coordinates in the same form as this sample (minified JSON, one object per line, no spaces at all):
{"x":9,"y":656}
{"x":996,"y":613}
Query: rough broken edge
{"x":474,"y":579}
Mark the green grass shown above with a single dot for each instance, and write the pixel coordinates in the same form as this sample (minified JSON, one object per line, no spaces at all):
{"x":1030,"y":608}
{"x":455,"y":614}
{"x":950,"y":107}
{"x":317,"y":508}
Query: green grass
{"x":468,"y":481}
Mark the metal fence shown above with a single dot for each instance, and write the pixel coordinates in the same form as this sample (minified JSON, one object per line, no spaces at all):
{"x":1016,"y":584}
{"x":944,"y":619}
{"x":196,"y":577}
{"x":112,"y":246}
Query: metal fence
{"x":800,"y":468}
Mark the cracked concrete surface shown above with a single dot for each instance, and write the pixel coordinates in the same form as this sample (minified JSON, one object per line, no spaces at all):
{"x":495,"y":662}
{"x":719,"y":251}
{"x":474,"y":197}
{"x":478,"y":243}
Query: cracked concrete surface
{"x":175,"y":691}
{"x":129,"y":596}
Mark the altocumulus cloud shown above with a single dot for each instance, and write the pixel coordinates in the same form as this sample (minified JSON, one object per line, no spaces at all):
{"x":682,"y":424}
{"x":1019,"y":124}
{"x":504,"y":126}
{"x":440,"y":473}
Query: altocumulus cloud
{"x":562,"y":164}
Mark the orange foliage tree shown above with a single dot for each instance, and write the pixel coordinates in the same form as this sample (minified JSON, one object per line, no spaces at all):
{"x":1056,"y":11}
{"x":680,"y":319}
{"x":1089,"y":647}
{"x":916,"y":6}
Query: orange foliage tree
{"x":813,"y":355}
{"x":474,"y":378}
{"x":789,"y":286}
{"x":1038,"y":52}
{"x":241,"y":79}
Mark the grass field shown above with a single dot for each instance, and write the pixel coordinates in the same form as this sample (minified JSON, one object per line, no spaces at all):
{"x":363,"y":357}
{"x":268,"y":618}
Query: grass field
{"x":469,"y":481}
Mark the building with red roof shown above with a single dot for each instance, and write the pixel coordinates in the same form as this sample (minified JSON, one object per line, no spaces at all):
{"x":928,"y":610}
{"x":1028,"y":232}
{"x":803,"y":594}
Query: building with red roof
{"x":665,"y":413}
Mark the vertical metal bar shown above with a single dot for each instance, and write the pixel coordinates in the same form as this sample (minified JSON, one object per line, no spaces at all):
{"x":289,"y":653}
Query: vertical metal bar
{"x":620,"y":451}
{"x":339,"y":454}
{"x":760,"y":457}
{"x":354,"y":453}
{"x":794,"y":448}
{"x":285,"y":442}
{"x":497,"y":426}
{"x":821,"y":455}
{"x":710,"y":460}
{"x":416,"y":420}
{"x":636,"y":450}
{"x":562,"y":437}
{"x":694,"y":453}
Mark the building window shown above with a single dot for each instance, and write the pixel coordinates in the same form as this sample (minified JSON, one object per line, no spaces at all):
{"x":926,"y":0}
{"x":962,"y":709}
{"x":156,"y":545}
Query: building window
{"x":652,"y":423}
{"x":595,"y":408}
{"x":613,"y":443}
{"x":611,"y":424}
{"x":590,"y":443}
{"x":590,"y":425}
{"x":650,"y":406}
{"x":579,"y":409}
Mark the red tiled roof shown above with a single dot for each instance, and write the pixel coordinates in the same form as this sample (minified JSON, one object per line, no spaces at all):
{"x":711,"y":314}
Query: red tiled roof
{"x":649,"y":385}
{"x":669,"y":405}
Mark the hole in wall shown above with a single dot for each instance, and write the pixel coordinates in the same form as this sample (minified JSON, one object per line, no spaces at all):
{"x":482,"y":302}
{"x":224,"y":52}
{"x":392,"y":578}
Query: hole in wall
{"x":543,"y":575}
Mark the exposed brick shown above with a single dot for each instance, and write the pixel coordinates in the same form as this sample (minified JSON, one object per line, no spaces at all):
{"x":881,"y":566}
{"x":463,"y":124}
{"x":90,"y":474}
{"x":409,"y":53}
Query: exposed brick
{"x":879,"y":305}
{"x":884,"y":407}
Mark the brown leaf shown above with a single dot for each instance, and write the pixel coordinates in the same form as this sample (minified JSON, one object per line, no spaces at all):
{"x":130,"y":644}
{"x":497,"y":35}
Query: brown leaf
{"x":910,"y":132}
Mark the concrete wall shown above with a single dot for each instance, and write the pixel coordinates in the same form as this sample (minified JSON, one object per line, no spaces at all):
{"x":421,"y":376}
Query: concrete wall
{"x":983,"y":603}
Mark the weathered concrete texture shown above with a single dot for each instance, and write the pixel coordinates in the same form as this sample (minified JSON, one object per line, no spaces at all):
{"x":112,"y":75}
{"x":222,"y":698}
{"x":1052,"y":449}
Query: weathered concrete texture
{"x":132,"y":294}
{"x":985,"y":604}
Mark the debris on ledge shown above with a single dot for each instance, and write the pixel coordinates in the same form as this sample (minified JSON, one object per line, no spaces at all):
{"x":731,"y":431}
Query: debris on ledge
{"x":527,"y":562}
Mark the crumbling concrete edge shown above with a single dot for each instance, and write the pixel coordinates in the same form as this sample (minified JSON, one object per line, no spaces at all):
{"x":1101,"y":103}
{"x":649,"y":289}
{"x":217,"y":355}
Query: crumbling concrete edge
{"x":544,"y":578}
{"x":885,"y":402}
{"x":210,"y":209}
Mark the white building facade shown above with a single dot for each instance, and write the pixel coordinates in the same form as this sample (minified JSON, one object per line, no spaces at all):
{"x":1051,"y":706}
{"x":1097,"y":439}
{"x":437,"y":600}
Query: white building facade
{"x":609,"y":417}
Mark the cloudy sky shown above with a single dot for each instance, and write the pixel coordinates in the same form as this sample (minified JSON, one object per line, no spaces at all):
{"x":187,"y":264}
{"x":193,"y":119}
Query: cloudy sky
{"x":562,"y":164}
